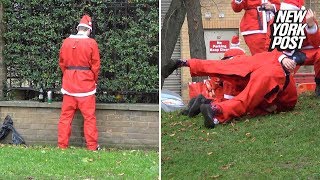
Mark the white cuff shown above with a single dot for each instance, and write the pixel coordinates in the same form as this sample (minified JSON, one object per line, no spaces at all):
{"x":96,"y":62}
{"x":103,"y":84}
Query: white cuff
{"x":227,"y":96}
{"x":312,"y":30}
{"x":215,"y":121}
{"x":281,"y":58}
{"x":238,"y":1}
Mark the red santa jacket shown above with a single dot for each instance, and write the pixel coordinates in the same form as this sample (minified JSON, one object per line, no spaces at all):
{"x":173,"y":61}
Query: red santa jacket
{"x":79,"y":61}
{"x":255,"y":20}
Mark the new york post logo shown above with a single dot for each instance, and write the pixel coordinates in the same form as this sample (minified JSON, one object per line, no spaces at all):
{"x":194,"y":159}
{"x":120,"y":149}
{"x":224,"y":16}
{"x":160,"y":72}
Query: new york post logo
{"x":287,"y":31}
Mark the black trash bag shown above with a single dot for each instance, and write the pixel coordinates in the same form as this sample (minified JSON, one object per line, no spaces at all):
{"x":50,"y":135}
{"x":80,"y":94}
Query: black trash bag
{"x":6,"y":127}
{"x":16,"y":137}
{"x":5,"y":130}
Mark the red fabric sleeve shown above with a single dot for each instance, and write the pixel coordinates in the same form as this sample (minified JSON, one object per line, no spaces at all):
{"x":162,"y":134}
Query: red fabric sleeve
{"x":95,"y":60}
{"x":237,"y":7}
{"x":61,"y":60}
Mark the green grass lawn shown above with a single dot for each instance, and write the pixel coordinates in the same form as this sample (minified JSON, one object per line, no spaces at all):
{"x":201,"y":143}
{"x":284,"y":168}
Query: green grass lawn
{"x":277,"y":146}
{"x":18,"y":162}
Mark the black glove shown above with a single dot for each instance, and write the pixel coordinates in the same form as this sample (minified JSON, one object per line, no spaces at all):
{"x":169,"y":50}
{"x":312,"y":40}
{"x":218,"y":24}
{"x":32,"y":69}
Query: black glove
{"x":298,"y":57}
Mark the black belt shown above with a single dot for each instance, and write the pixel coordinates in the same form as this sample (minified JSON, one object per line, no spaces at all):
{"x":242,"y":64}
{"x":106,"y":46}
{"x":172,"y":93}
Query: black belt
{"x":78,"y":68}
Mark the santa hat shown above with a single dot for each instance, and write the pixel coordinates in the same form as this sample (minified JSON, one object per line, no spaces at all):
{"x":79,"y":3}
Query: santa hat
{"x":292,"y":5}
{"x":236,"y":51}
{"x":235,"y":41}
{"x":85,"y":22}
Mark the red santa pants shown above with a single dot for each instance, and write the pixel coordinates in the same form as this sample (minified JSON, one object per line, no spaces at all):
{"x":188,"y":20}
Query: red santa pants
{"x":87,"y":106}
{"x":265,"y":83}
{"x":286,"y":100}
{"x":256,"y":42}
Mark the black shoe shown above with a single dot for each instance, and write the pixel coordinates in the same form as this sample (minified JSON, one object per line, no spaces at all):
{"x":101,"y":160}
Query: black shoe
{"x":317,"y":91}
{"x":208,"y":114}
{"x":185,"y":111}
{"x":195,"y":106}
{"x":168,"y":69}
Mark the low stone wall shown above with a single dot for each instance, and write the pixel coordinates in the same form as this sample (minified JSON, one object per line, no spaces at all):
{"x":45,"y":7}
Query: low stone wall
{"x":120,"y":125}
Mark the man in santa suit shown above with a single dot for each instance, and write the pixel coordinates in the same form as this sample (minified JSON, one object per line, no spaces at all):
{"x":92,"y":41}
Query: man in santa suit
{"x":79,"y":61}
{"x":254,"y":23}
{"x":311,"y":44}
{"x":222,"y":90}
{"x":270,"y":87}
{"x":232,"y":87}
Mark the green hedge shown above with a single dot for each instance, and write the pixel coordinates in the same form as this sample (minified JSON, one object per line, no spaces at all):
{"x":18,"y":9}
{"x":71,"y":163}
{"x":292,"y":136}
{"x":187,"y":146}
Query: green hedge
{"x":127,"y":34}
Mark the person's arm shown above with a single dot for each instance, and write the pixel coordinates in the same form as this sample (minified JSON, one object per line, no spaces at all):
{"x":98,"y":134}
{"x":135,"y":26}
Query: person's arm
{"x":312,"y":29}
{"x":61,"y":60}
{"x":237,"y":5}
{"x":95,"y":60}
{"x":273,"y":5}
{"x":290,"y":59}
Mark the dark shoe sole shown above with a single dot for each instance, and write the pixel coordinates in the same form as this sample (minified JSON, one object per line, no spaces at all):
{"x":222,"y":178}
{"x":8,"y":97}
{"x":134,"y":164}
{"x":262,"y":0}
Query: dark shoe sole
{"x":317,"y":91}
{"x":195,"y":106}
{"x":208,"y":115}
{"x":172,"y":65}
{"x":184,"y":112}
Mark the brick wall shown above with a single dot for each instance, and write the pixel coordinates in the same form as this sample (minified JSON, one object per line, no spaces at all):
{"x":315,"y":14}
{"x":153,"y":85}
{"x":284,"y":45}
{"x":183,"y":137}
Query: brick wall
{"x":119,"y":125}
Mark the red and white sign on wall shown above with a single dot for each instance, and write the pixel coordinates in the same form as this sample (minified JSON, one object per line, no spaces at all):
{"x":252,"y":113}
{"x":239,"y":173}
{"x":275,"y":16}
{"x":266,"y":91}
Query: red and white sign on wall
{"x":219,"y":46}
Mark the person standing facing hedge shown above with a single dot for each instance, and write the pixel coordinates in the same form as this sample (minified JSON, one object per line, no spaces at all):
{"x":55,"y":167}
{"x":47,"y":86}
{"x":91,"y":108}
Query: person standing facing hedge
{"x":79,"y":60}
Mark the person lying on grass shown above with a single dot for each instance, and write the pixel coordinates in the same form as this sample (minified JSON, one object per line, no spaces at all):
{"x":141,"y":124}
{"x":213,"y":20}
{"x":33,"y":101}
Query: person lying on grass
{"x":270,"y":87}
{"x":222,"y":90}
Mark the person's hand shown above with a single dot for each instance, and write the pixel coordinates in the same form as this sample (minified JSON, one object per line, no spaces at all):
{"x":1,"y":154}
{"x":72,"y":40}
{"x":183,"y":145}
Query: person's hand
{"x":268,"y":6}
{"x":310,"y":16}
{"x":288,"y":63}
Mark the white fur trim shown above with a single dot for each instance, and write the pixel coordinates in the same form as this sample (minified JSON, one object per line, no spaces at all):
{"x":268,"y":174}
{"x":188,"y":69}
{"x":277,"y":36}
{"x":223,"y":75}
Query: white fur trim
{"x":79,"y":36}
{"x":288,"y":53}
{"x":227,"y":96}
{"x":312,"y":30}
{"x":215,"y":121}
{"x":238,"y":2}
{"x":63,"y":91}
{"x":308,"y":47}
{"x":85,"y":25}
{"x":281,"y":58}
{"x":286,"y":6}
{"x":236,"y":47}
{"x":264,"y":26}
